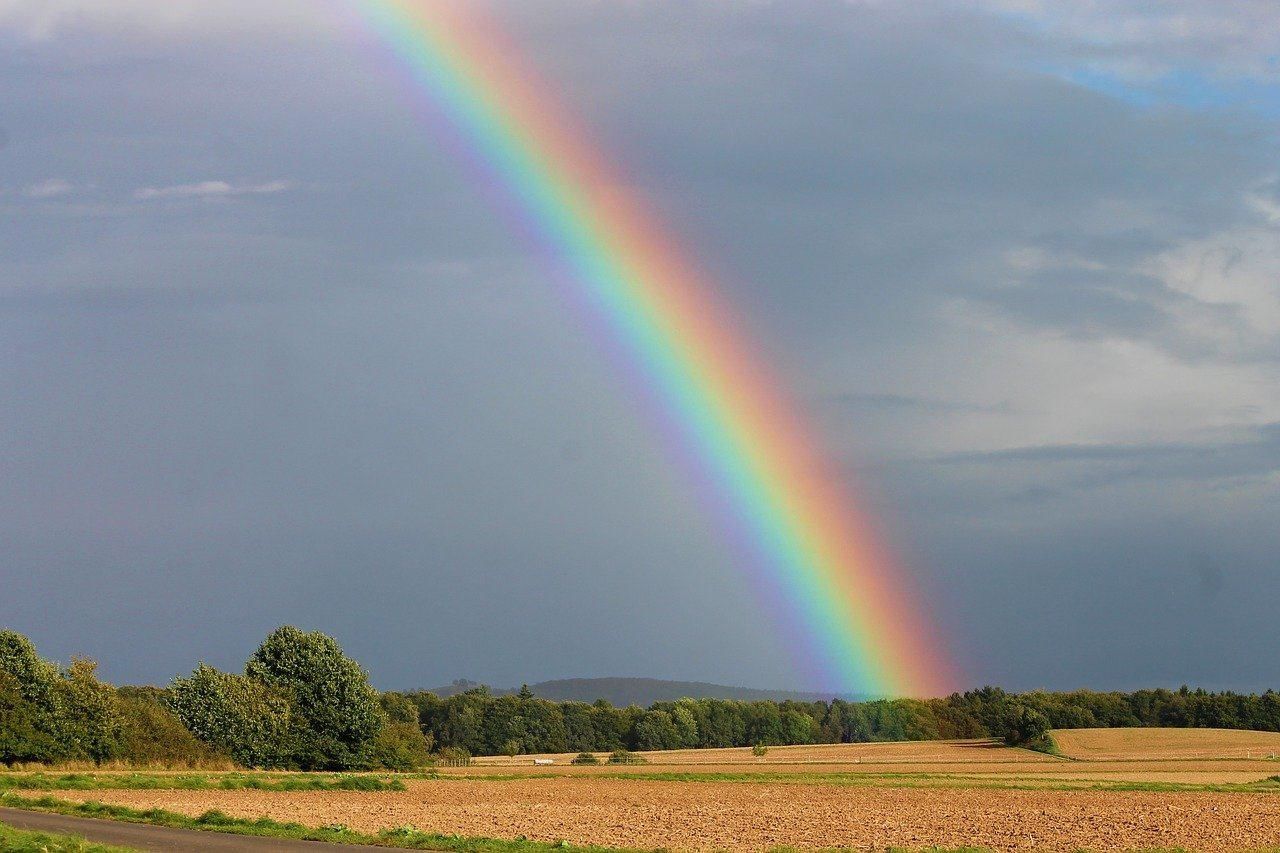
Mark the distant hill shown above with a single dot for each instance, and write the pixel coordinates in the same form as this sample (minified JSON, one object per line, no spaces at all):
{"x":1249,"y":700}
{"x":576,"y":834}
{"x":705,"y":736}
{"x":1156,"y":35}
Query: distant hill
{"x":638,"y":691}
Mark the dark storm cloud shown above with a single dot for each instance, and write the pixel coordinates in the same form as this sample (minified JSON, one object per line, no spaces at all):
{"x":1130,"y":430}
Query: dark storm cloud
{"x":357,"y":403}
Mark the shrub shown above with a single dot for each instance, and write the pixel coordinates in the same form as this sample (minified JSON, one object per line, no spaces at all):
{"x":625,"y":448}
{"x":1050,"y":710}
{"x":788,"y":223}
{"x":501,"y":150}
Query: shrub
{"x":759,"y":750}
{"x":622,"y":756}
{"x":454,"y":756}
{"x":401,"y":746}
{"x":150,"y":733}
{"x":585,"y":758}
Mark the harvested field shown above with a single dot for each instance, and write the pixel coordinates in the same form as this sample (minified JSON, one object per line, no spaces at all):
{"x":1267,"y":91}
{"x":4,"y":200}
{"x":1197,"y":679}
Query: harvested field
{"x":701,"y":816}
{"x":912,"y":752}
{"x":1159,"y":744}
{"x":1120,"y":789}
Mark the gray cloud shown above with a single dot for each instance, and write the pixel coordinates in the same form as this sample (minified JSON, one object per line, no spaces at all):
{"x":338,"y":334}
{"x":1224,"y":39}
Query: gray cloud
{"x":369,"y":408}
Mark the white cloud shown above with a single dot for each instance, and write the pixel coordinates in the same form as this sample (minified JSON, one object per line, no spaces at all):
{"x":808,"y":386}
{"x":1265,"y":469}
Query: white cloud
{"x":50,"y":188}
{"x":210,"y":189}
{"x":1138,"y":39}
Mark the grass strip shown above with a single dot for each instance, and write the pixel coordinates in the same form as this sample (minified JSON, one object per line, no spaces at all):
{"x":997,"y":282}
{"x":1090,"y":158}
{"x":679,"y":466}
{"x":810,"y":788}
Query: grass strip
{"x":195,"y":782}
{"x":404,"y":837}
{"x":899,"y":780}
{"x":23,"y":841}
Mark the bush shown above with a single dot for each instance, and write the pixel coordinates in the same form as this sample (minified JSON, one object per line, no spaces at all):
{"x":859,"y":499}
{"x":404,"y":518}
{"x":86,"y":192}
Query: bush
{"x":454,"y":756}
{"x":622,"y":756}
{"x":401,"y":746}
{"x":150,"y":733}
{"x":759,"y":750}
{"x":585,"y":758}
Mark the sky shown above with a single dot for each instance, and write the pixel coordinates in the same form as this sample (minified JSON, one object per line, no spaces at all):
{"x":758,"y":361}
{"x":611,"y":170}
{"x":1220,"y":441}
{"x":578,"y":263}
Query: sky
{"x":269,"y":355}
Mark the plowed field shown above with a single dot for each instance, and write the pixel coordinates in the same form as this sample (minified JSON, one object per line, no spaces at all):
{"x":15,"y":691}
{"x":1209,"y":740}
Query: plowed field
{"x":682,"y":815}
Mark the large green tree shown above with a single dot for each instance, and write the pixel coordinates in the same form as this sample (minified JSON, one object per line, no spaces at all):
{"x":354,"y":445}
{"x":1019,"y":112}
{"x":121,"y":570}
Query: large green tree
{"x":335,"y":713}
{"x":242,"y":717}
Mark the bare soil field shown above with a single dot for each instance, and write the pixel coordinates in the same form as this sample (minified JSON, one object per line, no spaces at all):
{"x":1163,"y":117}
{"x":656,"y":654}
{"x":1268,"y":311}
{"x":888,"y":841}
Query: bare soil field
{"x":1160,"y":744}
{"x":725,"y":815}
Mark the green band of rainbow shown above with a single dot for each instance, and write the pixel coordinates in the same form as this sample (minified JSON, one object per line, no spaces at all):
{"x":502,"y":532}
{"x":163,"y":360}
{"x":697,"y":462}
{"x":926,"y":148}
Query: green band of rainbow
{"x":850,"y":597}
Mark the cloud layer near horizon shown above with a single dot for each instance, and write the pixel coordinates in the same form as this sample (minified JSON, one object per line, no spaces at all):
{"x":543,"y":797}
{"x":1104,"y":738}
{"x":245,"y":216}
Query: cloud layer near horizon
{"x":269,"y":357}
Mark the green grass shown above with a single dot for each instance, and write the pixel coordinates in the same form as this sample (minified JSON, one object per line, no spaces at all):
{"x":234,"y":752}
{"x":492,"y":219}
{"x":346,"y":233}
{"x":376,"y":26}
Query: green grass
{"x":195,"y":782}
{"x":901,"y":780}
{"x":405,"y":837}
{"x":22,"y":841}
{"x":339,"y":782}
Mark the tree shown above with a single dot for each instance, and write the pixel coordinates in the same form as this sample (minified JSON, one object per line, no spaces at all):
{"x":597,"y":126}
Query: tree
{"x":22,"y":737}
{"x":334,"y":712}
{"x":1024,"y":725}
{"x":656,"y":730}
{"x":244,"y":718}
{"x":90,"y":714}
{"x":72,"y":715}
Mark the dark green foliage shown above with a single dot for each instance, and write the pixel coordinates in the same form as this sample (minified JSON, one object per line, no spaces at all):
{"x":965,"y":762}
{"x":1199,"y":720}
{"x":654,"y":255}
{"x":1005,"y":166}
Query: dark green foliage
{"x":335,"y":715}
{"x":622,"y":756}
{"x":585,"y":758}
{"x":1023,"y":725}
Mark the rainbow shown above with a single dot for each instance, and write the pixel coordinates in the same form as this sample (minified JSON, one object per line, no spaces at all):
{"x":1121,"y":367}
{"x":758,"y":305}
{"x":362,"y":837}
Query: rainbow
{"x":847,"y":600}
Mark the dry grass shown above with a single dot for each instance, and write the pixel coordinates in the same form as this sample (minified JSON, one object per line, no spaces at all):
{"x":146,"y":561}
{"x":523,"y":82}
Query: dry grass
{"x":843,"y":754}
{"x":1163,"y":744}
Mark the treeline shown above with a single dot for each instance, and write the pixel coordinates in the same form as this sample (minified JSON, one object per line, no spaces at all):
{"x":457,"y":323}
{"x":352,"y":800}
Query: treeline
{"x":487,"y":725}
{"x":301,"y":703}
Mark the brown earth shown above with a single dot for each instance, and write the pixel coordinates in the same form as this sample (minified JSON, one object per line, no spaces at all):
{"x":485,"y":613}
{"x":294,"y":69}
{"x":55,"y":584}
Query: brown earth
{"x":700,"y":816}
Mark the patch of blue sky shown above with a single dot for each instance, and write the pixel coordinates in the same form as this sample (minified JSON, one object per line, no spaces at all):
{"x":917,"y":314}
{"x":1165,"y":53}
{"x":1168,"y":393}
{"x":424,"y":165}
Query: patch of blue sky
{"x":1188,"y":87}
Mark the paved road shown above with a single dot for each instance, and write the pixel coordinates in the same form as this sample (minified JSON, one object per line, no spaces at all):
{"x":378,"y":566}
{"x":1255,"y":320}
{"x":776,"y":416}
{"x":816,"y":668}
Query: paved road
{"x":141,"y":836}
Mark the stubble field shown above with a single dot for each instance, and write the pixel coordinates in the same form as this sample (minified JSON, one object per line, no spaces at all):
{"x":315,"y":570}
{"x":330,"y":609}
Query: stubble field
{"x":1114,"y":790}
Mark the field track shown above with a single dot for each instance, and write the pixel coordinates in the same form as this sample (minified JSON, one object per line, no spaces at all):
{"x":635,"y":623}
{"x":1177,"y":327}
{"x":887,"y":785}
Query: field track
{"x":136,"y":836}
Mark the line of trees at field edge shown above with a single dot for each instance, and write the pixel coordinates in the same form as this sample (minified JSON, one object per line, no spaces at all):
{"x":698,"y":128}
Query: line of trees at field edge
{"x":301,"y":703}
